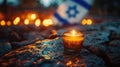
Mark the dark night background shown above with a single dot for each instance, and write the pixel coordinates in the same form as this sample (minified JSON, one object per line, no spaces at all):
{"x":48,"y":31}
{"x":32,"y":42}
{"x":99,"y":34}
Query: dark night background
{"x":11,"y":7}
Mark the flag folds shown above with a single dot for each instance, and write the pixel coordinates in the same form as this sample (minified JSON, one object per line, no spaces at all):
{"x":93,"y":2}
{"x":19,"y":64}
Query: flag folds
{"x":71,"y":11}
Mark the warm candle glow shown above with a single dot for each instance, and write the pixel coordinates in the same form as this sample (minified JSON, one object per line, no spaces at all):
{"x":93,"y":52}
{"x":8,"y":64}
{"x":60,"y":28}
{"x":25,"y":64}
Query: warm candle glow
{"x":73,"y":32}
{"x":47,"y":22}
{"x":26,"y":21}
{"x":89,"y":22}
{"x":9,"y":23}
{"x":86,"y":22}
{"x":2,"y":23}
{"x":16,"y":21}
{"x":33,"y":16}
{"x":72,"y":40}
{"x":37,"y":22}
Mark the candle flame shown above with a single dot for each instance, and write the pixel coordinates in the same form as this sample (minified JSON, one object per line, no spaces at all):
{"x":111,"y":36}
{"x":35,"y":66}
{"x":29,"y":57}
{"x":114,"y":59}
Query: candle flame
{"x":73,"y":32}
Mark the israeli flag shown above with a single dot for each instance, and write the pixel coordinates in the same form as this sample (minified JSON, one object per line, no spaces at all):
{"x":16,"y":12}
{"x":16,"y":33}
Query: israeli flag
{"x":71,"y":11}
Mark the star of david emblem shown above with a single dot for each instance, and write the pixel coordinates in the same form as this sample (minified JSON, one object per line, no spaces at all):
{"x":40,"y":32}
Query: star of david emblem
{"x":72,"y":11}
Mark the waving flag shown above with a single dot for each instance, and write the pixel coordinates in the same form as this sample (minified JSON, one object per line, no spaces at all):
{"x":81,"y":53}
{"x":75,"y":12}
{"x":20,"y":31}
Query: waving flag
{"x":71,"y":11}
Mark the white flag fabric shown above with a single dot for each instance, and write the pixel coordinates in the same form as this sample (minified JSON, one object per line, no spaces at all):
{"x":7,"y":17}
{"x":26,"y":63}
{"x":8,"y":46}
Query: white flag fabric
{"x":71,"y":11}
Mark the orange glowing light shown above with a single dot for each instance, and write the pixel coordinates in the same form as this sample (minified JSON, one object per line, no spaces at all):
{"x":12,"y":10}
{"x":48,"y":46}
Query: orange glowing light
{"x":47,"y":22}
{"x":72,"y":41}
{"x":37,"y":22}
{"x":9,"y":23}
{"x":33,"y":16}
{"x":73,"y":32}
{"x":86,"y":22}
{"x":16,"y":21}
{"x":26,"y":22}
{"x":2,"y":23}
{"x":89,"y":22}
{"x":69,"y":63}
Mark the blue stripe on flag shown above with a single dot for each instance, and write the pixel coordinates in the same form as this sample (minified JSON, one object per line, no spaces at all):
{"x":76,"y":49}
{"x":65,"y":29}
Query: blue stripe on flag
{"x":61,"y":19}
{"x":83,"y":3}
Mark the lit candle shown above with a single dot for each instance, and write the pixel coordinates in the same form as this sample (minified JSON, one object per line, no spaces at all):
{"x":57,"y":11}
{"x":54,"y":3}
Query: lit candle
{"x":72,"y":41}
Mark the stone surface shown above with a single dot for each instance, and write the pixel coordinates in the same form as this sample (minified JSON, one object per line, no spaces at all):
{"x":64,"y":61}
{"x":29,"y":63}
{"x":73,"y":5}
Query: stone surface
{"x":115,"y":43}
{"x":91,"y":60}
{"x":4,"y":48}
{"x":113,"y":55}
{"x":101,"y":48}
{"x":96,"y":37}
{"x":49,"y":53}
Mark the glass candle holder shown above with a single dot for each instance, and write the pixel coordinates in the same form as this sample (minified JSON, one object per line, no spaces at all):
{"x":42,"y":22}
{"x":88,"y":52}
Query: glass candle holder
{"x":72,"y":41}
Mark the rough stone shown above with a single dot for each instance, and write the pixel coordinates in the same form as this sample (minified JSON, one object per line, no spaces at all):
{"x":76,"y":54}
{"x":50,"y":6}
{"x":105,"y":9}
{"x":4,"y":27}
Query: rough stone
{"x":113,"y":55}
{"x":91,"y":60}
{"x":115,"y":43}
{"x":4,"y":48}
{"x":95,"y":38}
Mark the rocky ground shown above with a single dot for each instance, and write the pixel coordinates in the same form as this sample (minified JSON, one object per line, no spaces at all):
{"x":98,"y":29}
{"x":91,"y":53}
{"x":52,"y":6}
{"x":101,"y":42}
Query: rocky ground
{"x":101,"y":48}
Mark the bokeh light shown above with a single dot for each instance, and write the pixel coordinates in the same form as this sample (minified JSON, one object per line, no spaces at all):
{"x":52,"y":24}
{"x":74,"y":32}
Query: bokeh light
{"x":37,"y":22}
{"x":89,"y":22}
{"x":16,"y":21}
{"x":26,"y":22}
{"x":84,"y":21}
{"x":33,"y":16}
{"x":2,"y":23}
{"x":9,"y":23}
{"x":47,"y":22}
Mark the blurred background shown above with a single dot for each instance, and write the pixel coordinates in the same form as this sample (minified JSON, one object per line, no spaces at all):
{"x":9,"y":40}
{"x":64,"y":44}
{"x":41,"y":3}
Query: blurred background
{"x":9,"y":9}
